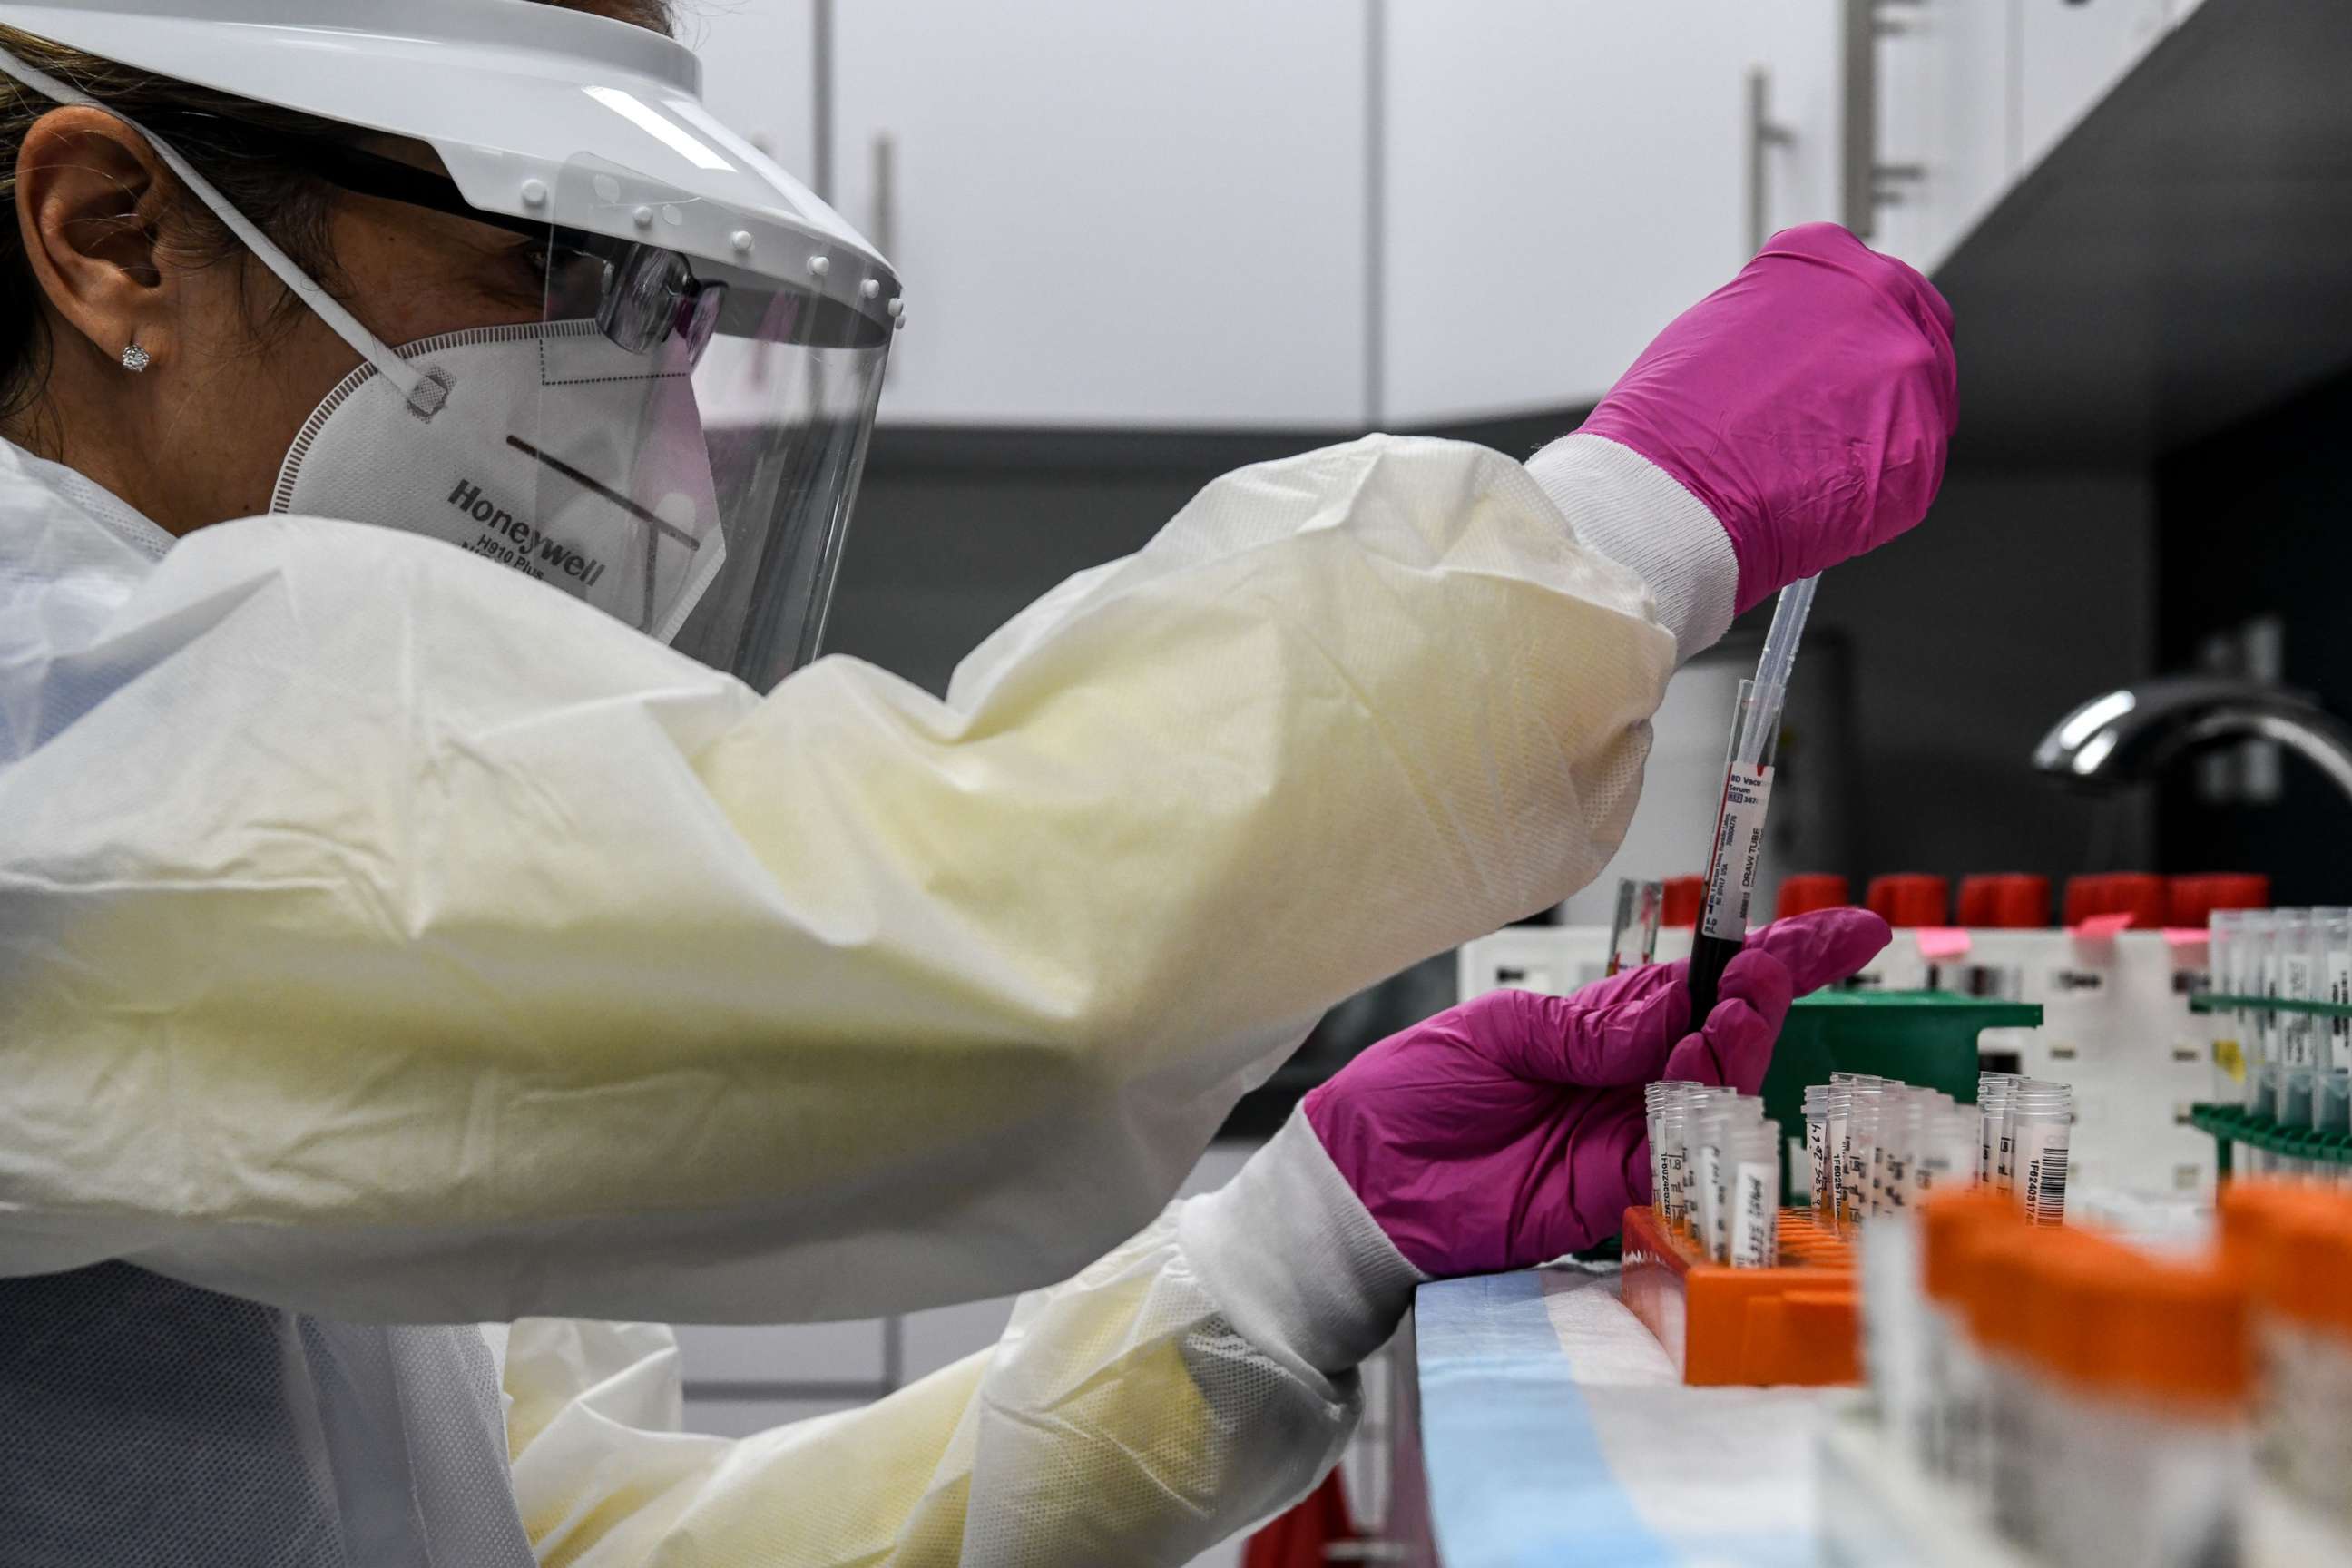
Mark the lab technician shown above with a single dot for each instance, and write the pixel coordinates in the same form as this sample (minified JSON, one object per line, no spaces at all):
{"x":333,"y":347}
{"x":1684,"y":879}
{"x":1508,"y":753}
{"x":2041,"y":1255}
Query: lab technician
{"x":437,"y":888}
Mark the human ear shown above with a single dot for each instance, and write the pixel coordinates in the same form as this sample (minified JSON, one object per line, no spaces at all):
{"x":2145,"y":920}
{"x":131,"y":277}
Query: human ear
{"x":91,"y":195}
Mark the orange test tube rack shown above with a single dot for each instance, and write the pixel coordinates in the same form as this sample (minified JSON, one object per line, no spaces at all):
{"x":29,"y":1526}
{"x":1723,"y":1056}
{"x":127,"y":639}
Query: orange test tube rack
{"x":1798,"y":1322}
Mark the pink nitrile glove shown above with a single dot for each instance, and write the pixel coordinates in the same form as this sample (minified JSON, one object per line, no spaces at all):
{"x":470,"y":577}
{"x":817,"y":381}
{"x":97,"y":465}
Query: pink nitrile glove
{"x":1808,"y":404}
{"x":1510,"y":1129}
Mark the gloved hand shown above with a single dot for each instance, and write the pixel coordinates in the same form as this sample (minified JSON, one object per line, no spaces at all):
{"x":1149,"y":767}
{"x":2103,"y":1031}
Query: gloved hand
{"x":1510,"y":1129}
{"x":1807,"y":404}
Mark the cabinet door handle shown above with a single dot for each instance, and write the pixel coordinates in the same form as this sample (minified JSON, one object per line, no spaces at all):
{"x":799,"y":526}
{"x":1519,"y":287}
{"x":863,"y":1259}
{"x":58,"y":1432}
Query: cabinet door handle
{"x":1866,"y":184}
{"x":883,"y":231}
{"x":1763,"y":135}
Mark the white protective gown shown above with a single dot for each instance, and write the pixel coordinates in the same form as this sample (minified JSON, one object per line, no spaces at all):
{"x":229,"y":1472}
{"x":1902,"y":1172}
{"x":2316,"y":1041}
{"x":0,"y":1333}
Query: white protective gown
{"x":385,"y":938}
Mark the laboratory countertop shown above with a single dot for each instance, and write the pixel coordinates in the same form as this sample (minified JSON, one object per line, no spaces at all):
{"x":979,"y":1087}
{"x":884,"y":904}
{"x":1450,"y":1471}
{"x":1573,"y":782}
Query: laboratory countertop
{"x":1555,"y":1431}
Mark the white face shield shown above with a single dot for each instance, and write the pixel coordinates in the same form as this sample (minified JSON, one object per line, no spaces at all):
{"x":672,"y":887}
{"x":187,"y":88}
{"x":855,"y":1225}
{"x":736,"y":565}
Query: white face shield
{"x":678,"y":437}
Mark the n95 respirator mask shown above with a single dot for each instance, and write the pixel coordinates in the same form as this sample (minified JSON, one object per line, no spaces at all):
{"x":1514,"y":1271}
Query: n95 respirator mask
{"x":554,"y":452}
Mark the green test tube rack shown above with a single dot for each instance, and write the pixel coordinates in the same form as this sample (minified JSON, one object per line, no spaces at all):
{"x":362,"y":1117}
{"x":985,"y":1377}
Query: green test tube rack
{"x":2231,"y":1125}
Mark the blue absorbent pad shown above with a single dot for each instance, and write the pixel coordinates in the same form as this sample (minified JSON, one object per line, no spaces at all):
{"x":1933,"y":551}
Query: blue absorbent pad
{"x":1555,"y":1431}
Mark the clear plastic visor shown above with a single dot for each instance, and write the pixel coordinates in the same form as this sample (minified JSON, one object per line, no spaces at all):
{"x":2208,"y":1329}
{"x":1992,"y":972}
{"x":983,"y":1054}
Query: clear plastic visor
{"x":685,"y":449}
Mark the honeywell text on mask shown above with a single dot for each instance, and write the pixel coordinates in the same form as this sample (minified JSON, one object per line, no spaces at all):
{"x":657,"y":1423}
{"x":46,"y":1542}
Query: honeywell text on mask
{"x":507,"y":538}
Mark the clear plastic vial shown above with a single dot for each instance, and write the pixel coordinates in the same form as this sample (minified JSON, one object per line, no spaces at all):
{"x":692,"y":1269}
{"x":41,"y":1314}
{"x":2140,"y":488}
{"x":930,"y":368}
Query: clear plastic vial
{"x":2040,"y":1119}
{"x":2331,"y":933}
{"x":2225,"y":962}
{"x":2259,"y":960}
{"x":1947,"y":1157}
{"x":1861,"y":1152}
{"x":1901,"y":1125}
{"x":2299,"y":1034}
{"x":1713,"y":1114}
{"x":2332,"y":1080}
{"x":1666,"y":1146}
{"x":1698,"y":1099}
{"x":1992,"y":1106}
{"x":1841,"y":1110}
{"x":2150,"y":1452}
{"x":1653,"y":1098}
{"x":1753,"y":1156}
{"x":1817,"y":1151}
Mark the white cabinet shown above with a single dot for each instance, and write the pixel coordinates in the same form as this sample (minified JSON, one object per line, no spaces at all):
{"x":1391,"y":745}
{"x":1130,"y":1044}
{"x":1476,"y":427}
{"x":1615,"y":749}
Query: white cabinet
{"x":1158,"y":216}
{"x":1563,"y":177}
{"x":1800,"y":51}
{"x":759,"y":74}
{"x":1944,"y":119}
{"x":1113,"y":214}
{"x":2070,"y":52}
{"x":1936,"y":73}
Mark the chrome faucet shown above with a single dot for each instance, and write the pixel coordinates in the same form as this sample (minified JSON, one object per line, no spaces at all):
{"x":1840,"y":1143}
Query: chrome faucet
{"x":2125,"y":736}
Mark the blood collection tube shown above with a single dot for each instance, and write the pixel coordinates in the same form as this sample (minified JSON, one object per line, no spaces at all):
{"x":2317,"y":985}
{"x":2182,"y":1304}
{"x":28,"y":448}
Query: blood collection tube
{"x":1738,"y":843}
{"x":1634,"y":932}
{"x":1910,"y":899}
{"x":1806,"y":892}
{"x":2004,"y":902}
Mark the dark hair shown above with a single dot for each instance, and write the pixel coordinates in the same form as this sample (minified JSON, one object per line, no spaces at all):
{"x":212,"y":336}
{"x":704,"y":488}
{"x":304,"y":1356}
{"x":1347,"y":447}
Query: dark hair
{"x":235,"y":143}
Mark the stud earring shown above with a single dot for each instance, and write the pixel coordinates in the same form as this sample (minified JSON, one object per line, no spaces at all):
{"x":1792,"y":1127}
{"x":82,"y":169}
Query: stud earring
{"x":135,"y":359}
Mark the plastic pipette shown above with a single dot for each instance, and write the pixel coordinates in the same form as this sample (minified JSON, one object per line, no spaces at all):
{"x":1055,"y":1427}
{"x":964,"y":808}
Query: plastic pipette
{"x":1739,"y":841}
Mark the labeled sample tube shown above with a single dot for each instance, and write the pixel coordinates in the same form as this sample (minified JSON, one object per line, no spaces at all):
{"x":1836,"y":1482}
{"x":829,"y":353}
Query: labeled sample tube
{"x":2040,"y":1120}
{"x":1840,"y":1107}
{"x":1738,"y":841}
{"x":1699,"y":1157}
{"x":1864,"y":1177}
{"x":1633,"y":930}
{"x":1754,"y":1152}
{"x":1817,"y":1151}
{"x":1713,"y":1113}
{"x":2225,"y":959}
{"x":1900,"y":1119}
{"x":2294,"y":1245}
{"x":1951,"y":1226}
{"x":1862,"y":1151}
{"x":1992,"y":1107}
{"x":1653,"y":1097}
{"x":1666,"y":1145}
{"x":2259,"y":955}
{"x":2332,"y":928}
{"x":2298,"y":1033}
{"x":2142,"y":1448}
{"x":1946,"y":1158}
{"x":2331,"y":1091}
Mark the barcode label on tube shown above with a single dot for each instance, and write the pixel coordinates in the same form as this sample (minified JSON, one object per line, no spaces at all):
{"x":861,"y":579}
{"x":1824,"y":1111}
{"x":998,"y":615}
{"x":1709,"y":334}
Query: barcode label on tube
{"x":2045,"y":1188}
{"x":1738,"y":844}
